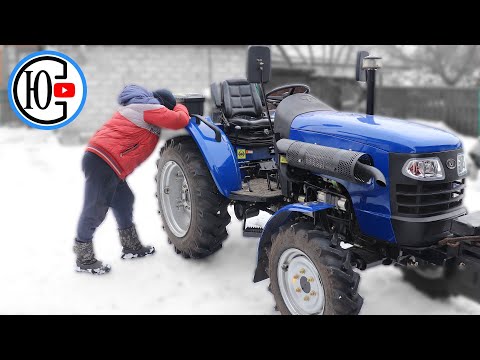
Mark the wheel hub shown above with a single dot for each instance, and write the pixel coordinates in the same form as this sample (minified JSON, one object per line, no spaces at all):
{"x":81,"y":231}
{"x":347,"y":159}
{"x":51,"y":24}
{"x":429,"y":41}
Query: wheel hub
{"x":305,"y":285}
{"x":175,"y":199}
{"x":300,"y":284}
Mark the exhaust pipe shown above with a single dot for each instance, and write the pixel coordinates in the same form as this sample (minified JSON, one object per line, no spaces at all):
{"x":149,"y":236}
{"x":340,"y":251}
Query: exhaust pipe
{"x":367,"y":172}
{"x":342,"y":164}
{"x":366,"y":68}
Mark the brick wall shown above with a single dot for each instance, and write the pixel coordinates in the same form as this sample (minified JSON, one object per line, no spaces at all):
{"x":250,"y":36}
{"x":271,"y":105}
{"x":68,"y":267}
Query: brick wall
{"x":181,"y":68}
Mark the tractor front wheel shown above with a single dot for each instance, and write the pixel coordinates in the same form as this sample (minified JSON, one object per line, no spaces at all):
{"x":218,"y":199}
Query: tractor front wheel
{"x":310,"y":277}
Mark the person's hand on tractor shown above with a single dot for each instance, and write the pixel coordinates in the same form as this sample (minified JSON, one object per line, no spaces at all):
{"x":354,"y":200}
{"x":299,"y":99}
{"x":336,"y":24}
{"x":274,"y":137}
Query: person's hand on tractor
{"x":173,"y":116}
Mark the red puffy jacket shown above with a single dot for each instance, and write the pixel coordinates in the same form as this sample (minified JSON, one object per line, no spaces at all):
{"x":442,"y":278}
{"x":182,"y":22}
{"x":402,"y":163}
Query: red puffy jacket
{"x":131,"y":135}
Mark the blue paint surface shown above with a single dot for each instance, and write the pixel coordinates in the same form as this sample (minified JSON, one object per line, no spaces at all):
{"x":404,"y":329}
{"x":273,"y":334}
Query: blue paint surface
{"x":371,"y":202}
{"x":392,"y":135}
{"x":283,"y":215}
{"x":219,"y":157}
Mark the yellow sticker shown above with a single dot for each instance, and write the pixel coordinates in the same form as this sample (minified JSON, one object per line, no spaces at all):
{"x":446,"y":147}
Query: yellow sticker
{"x":283,"y":159}
{"x":241,"y":154}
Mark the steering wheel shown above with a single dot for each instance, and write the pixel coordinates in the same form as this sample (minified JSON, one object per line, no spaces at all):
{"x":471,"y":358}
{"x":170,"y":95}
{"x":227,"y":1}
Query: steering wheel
{"x":284,"y":92}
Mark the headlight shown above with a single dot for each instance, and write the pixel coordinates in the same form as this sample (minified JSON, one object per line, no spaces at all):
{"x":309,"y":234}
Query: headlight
{"x":461,"y":165}
{"x":426,"y":169}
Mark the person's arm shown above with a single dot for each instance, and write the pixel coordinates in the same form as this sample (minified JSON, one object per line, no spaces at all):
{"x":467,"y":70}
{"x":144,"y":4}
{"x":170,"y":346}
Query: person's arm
{"x":174,"y":119}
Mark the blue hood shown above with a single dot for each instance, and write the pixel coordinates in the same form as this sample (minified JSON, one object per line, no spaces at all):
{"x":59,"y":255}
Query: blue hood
{"x":392,"y":135}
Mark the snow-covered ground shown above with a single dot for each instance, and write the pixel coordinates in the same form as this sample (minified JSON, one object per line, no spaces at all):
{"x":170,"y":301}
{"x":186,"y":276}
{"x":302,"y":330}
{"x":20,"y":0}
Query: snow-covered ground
{"x":41,"y":191}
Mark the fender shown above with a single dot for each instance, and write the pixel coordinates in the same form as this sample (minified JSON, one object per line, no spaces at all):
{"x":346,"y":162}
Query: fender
{"x":278,"y":219}
{"x":219,"y":157}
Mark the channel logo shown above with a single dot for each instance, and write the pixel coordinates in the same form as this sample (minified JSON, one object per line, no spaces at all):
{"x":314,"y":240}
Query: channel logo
{"x":47,"y":90}
{"x":64,"y":90}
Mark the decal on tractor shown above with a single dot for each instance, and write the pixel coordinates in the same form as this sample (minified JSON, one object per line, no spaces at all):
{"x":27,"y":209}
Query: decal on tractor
{"x":241,"y":154}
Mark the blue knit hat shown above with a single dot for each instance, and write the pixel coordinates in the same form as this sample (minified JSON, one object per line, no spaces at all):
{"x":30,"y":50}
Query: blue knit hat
{"x":134,"y":94}
{"x":166,"y":98}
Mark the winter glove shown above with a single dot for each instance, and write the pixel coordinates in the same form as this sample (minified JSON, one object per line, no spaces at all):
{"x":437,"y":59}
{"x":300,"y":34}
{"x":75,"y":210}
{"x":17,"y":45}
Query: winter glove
{"x":166,"y":98}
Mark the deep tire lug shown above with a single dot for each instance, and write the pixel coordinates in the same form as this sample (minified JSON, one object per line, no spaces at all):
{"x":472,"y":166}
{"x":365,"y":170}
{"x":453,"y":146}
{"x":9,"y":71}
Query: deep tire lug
{"x":200,"y":198}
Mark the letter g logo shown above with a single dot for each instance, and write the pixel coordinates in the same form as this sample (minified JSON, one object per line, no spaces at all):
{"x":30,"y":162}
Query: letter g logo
{"x":47,"y":90}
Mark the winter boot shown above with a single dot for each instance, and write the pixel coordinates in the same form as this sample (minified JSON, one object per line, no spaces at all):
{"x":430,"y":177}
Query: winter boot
{"x":86,"y":261}
{"x":132,"y":248}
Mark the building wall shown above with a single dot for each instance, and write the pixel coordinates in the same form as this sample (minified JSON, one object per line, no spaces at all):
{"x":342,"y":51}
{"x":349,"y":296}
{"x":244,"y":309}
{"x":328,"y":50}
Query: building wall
{"x":181,"y":68}
{"x":9,"y":57}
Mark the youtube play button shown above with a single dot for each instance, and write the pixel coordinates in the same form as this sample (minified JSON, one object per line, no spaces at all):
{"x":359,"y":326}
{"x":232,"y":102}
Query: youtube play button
{"x":64,"y":90}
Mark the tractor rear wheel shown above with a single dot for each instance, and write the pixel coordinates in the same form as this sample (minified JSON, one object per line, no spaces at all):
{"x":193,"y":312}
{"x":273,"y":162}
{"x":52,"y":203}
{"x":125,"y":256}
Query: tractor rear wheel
{"x":310,"y":277}
{"x":193,"y":211}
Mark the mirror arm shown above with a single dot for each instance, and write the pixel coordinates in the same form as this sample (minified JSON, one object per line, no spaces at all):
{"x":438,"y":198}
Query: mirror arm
{"x":265,"y":99}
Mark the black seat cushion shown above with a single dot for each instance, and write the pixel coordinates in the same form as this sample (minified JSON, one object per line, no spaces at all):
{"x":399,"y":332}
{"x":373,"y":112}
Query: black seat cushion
{"x":240,"y":99}
{"x":293,"y":106}
{"x":250,"y":123}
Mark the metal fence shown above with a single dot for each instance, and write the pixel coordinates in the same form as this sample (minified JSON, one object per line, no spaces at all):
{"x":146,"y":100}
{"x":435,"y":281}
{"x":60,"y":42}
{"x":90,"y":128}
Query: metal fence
{"x":458,"y":108}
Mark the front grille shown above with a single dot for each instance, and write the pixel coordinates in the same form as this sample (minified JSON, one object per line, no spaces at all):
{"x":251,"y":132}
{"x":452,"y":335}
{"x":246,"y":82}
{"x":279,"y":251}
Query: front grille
{"x":429,"y":198}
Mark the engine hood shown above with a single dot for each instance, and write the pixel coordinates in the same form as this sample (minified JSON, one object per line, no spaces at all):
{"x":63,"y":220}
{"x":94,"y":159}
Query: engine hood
{"x":392,"y":135}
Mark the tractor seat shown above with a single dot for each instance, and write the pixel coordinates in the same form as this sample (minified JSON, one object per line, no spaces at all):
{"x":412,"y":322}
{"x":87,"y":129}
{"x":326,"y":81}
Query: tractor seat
{"x":242,"y":106}
{"x":246,"y":123}
{"x":239,"y":103}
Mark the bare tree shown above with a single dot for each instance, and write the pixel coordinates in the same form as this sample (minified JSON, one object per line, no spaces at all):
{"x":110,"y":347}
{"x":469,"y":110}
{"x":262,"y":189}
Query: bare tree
{"x":452,"y":63}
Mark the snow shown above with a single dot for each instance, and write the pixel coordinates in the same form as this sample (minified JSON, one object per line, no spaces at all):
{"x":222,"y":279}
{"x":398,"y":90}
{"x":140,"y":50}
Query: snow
{"x":41,"y":193}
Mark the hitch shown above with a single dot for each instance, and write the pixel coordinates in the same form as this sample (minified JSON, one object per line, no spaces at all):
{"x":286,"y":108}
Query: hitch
{"x":456,"y":241}
{"x":467,"y":225}
{"x":459,"y":253}
{"x":465,"y":230}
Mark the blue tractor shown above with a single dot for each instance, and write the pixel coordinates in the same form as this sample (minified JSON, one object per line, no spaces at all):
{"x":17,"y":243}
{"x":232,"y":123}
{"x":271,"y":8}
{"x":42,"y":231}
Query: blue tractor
{"x":345,"y":192}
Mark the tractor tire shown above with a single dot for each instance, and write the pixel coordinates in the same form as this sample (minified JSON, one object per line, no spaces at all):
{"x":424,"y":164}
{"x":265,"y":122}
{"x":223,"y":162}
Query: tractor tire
{"x":431,"y":280}
{"x":193,"y":211}
{"x":308,"y":276}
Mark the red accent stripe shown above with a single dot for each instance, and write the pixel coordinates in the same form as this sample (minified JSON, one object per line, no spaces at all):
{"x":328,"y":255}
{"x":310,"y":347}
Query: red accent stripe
{"x":105,"y":157}
{"x":104,"y":153}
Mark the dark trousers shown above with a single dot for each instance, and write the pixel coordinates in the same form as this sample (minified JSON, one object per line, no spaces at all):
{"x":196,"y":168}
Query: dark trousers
{"x":103,"y":190}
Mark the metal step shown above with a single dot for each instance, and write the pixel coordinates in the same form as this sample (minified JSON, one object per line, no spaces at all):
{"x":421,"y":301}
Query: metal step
{"x":259,"y":192}
{"x":255,"y":232}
